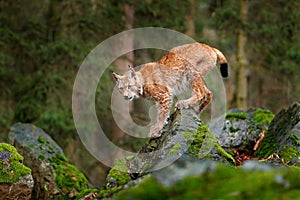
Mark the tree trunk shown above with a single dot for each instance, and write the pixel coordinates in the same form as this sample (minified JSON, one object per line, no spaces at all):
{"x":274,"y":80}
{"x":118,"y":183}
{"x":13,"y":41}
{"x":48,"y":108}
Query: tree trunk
{"x":241,"y":93}
{"x":123,"y":62}
{"x":190,"y":19}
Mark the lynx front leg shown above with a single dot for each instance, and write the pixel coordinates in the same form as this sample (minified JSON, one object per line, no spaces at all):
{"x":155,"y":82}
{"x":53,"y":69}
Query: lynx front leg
{"x":163,"y":109}
{"x":163,"y":99}
{"x":198,"y":94}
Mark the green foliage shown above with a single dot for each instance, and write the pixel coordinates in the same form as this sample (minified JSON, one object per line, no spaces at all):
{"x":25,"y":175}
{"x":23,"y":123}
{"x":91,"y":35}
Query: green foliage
{"x":226,"y":15}
{"x":272,"y":47}
{"x":40,"y":59}
{"x":153,"y":14}
{"x":11,"y":166}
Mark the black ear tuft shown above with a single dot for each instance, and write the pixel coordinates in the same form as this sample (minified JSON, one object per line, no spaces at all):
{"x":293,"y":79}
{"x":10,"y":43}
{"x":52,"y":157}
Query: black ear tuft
{"x":116,"y":76}
{"x":224,"y":69}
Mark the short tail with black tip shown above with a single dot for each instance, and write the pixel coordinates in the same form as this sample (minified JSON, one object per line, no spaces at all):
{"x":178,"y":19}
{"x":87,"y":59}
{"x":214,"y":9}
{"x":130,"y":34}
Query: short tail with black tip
{"x":223,"y":63}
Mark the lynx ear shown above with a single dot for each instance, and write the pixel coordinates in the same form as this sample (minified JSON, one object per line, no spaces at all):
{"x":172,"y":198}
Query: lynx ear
{"x":116,"y":76}
{"x":132,"y":71}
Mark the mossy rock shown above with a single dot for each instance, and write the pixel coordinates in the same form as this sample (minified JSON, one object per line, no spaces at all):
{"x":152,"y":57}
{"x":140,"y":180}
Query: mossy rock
{"x":16,"y":181}
{"x":11,"y":164}
{"x":204,"y":145}
{"x":242,"y":129}
{"x":54,"y":176}
{"x":283,"y":136}
{"x":71,"y":182}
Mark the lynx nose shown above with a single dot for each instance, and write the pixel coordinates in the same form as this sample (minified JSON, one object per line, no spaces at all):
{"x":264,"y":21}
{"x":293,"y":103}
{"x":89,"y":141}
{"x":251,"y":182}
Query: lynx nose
{"x":128,"y":98}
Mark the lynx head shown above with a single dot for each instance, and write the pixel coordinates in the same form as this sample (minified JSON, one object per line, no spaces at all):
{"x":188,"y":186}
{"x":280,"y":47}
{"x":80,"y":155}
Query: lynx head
{"x":129,"y":85}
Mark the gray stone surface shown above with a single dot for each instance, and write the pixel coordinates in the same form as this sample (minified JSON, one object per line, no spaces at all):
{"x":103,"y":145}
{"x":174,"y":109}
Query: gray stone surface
{"x":36,"y":146}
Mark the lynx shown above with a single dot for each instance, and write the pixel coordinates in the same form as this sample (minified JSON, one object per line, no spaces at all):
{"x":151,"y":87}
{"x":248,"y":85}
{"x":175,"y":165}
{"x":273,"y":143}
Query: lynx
{"x":181,"y":68}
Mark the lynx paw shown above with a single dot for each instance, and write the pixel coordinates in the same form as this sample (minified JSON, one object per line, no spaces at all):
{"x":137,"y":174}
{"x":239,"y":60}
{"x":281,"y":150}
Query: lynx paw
{"x":155,"y":132}
{"x":182,"y":105}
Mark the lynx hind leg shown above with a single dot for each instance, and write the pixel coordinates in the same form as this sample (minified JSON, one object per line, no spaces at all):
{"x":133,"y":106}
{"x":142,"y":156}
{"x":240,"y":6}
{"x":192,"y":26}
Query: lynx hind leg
{"x":198,"y":94}
{"x":207,"y":99}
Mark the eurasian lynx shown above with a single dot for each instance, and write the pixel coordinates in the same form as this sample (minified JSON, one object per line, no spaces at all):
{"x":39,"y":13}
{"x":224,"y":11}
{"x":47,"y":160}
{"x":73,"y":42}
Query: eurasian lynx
{"x":181,"y":68}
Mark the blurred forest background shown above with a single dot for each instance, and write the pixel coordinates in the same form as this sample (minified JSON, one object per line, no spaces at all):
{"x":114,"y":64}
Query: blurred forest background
{"x":43,"y":43}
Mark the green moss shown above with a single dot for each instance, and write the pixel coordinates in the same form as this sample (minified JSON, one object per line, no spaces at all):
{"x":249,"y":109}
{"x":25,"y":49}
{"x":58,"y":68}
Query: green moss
{"x":224,"y":182}
{"x":174,"y":150}
{"x":267,"y":147}
{"x":233,"y":130}
{"x":149,"y":189}
{"x":68,"y":177}
{"x":262,"y":117}
{"x":116,"y":178}
{"x":289,"y":153}
{"x":11,"y":166}
{"x":188,"y":136}
{"x":108,"y":192}
{"x":41,"y":140}
{"x":203,"y":141}
{"x":120,"y":177}
{"x":224,"y":154}
{"x":42,"y":157}
{"x":270,"y":145}
{"x":121,"y":164}
{"x":295,"y":139}
{"x":86,"y":192}
{"x":238,"y":115}
{"x":119,"y":172}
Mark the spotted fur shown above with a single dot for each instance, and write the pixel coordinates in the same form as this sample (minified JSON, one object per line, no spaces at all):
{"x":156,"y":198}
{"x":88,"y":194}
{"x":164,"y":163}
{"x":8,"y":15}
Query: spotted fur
{"x":181,"y":68}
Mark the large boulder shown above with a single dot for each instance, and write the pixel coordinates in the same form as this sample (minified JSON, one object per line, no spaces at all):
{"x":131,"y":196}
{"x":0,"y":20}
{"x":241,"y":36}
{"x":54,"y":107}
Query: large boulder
{"x":54,"y":177}
{"x":16,"y":181}
{"x":243,"y":129}
{"x":184,"y":135}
